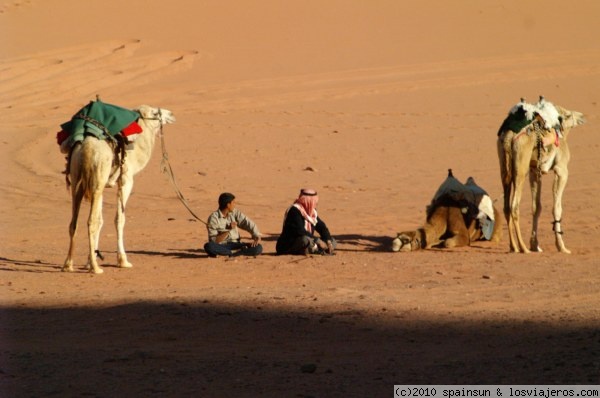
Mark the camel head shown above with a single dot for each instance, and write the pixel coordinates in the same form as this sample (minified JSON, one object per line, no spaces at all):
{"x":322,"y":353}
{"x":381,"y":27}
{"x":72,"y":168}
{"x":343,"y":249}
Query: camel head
{"x":409,"y":241}
{"x":165,"y":116}
{"x":570,"y":119}
{"x":556,"y":116}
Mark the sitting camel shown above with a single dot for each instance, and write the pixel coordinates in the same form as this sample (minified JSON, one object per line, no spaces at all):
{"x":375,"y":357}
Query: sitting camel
{"x":94,"y":164}
{"x":458,"y":215}
{"x":533,"y":140}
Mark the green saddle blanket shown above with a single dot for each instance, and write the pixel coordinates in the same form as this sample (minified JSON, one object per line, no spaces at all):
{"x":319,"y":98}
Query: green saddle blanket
{"x":99,"y":119}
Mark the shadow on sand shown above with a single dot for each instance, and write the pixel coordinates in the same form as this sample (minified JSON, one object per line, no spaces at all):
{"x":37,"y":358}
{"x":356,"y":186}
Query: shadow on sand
{"x":357,"y":242}
{"x":204,"y":349}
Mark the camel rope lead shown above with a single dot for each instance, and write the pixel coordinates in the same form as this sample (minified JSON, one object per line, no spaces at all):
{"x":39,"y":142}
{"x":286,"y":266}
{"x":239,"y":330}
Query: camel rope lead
{"x":165,"y":167}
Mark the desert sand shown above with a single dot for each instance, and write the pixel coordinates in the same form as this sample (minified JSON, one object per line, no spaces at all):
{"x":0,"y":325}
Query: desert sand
{"x":368,"y":102}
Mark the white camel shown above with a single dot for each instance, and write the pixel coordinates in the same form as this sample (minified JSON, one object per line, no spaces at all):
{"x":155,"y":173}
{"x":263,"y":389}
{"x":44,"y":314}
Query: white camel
{"x":92,"y":167}
{"x":533,"y":140}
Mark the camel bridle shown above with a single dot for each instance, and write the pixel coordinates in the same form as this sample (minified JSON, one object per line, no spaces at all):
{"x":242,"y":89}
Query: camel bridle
{"x":165,"y":167}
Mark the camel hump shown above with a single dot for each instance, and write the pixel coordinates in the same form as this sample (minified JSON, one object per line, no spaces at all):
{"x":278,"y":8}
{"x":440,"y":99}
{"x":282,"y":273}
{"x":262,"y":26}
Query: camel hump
{"x":453,"y":190}
{"x":471,"y":185}
{"x":453,"y":193}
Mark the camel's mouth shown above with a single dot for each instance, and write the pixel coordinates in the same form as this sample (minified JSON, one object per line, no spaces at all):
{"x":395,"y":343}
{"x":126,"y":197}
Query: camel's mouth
{"x":402,"y":243}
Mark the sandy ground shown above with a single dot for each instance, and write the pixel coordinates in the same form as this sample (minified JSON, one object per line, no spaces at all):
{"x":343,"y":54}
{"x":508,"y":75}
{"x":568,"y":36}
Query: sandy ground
{"x":367,"y":102}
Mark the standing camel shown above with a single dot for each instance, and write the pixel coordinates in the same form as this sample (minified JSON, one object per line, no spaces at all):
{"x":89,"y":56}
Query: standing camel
{"x":533,"y":140}
{"x":94,"y":164}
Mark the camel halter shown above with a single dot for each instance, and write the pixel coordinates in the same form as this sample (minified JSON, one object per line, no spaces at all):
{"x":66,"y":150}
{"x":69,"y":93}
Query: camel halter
{"x":166,"y":168}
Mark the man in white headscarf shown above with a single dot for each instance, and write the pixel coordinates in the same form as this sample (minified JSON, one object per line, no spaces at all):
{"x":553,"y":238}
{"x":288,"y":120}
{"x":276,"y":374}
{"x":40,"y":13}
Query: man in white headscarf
{"x":300,"y":223}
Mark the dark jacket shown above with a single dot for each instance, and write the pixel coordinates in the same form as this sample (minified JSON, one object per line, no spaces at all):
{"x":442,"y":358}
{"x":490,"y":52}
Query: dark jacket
{"x":293,"y":228}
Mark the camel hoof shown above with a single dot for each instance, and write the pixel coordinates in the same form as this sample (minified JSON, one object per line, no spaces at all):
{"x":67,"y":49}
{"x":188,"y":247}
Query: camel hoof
{"x":565,"y":250}
{"x":96,"y":271}
{"x":122,"y":260}
{"x":67,"y":268}
{"x":537,"y":249}
{"x":524,"y":250}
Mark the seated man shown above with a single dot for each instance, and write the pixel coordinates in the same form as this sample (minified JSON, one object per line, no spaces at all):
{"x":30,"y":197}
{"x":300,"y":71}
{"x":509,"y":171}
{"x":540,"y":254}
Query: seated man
{"x":223,"y":234}
{"x":299,"y":226}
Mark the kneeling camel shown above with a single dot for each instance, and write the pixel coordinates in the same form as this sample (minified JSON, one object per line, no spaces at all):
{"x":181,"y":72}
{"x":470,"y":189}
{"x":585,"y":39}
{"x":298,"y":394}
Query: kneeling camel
{"x":458,"y":215}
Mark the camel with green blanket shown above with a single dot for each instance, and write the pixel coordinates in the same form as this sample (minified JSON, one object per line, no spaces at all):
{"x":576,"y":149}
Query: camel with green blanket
{"x":100,"y":155}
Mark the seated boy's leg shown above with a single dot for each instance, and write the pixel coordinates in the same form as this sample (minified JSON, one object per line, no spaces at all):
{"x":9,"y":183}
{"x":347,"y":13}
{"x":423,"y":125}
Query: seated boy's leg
{"x":214,"y":249}
{"x":243,"y":249}
{"x":250,"y":250}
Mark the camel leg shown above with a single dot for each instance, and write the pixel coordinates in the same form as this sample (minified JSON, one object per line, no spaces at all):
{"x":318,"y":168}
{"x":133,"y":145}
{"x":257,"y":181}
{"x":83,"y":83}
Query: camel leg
{"x":435,"y":227}
{"x":560,"y":182}
{"x":514,"y":214}
{"x":458,"y":229}
{"x":504,"y":147}
{"x":474,"y":233}
{"x":94,"y":226}
{"x":521,"y":151}
{"x":509,"y":220}
{"x":77,"y":197}
{"x":122,"y":196}
{"x":535,"y":182}
{"x":497,"y":232}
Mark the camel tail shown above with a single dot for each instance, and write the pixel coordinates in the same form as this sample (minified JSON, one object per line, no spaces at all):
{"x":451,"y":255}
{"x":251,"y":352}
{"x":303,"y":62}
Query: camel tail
{"x":69,"y":159}
{"x":505,"y":157}
{"x":88,"y":177}
{"x":508,"y":166}
{"x":94,"y":169}
{"x":87,"y":183}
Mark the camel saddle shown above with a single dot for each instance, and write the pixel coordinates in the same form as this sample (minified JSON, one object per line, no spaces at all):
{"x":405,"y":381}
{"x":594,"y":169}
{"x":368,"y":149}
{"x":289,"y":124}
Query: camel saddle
{"x":473,"y":201}
{"x":102,"y":120}
{"x":522,"y":115}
